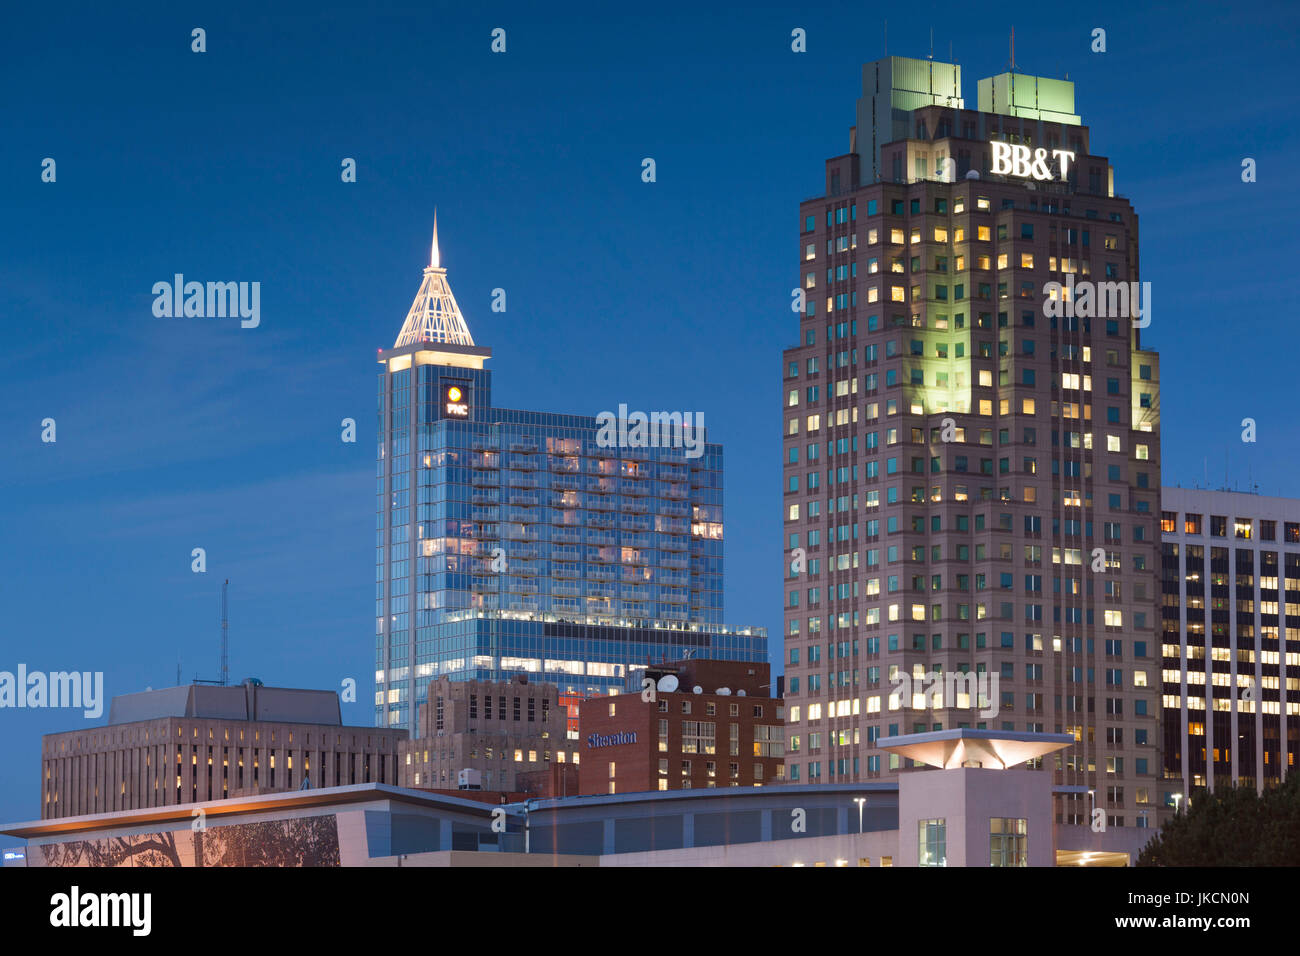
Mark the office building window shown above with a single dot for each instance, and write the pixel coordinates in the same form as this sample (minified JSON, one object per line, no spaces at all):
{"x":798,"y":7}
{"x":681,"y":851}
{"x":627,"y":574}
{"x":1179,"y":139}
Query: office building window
{"x":932,"y":842}
{"x":1008,"y":841}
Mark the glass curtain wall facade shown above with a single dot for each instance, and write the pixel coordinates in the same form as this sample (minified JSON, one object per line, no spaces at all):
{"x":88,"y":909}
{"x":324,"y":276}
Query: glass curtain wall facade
{"x":510,"y":541}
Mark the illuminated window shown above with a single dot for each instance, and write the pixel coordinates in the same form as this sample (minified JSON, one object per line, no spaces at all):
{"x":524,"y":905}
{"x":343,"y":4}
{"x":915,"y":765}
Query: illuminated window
{"x":1008,"y":841}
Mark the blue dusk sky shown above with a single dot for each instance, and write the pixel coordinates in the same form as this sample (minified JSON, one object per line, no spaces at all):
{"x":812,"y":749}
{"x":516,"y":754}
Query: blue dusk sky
{"x":182,"y":433}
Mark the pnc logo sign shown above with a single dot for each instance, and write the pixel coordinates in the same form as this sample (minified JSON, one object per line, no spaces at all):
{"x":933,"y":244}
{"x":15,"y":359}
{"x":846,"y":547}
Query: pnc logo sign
{"x":1012,"y":159}
{"x":455,"y":403}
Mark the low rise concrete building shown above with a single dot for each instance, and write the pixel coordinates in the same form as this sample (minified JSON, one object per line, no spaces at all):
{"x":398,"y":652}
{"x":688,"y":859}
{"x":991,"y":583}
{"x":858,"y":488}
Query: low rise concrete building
{"x":969,"y":803}
{"x":199,"y":743}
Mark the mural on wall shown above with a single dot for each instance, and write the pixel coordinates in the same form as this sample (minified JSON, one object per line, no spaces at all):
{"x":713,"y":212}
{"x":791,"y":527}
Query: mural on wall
{"x":305,"y":841}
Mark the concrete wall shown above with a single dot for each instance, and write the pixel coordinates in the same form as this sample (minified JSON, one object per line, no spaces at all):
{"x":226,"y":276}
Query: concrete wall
{"x":967,"y":798}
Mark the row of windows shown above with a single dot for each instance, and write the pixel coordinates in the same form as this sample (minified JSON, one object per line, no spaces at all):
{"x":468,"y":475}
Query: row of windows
{"x":1218,"y":527}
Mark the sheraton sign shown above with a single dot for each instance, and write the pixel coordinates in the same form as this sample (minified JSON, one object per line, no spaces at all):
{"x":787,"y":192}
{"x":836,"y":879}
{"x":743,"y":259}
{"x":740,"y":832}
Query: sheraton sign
{"x":1012,"y":159}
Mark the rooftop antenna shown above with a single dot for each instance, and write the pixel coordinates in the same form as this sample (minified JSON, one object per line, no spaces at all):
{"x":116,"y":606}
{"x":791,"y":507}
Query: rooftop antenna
{"x":225,"y":637}
{"x":931,"y":43}
{"x":1013,"y":49}
{"x":178,"y":670}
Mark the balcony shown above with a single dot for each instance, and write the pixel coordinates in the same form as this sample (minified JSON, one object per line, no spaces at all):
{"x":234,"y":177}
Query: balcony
{"x":523,"y":515}
{"x":526,"y":445}
{"x":523,"y":481}
{"x":523,"y":499}
{"x":565,"y":466}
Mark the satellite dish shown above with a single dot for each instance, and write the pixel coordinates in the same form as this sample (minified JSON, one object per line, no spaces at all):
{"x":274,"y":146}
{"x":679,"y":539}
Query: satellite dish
{"x":724,"y":692}
{"x":697,"y":689}
{"x":668,"y":683}
{"x":973,"y":174}
{"x":740,"y":693}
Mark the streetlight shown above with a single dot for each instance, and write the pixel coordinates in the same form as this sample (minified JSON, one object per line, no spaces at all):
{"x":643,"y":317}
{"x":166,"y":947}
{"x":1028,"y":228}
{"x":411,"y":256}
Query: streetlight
{"x":1177,"y":797}
{"x":860,"y":801}
{"x":527,"y":807}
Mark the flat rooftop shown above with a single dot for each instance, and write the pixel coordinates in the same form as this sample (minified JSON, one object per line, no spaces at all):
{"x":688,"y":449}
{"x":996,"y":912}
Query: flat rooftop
{"x":286,"y":705}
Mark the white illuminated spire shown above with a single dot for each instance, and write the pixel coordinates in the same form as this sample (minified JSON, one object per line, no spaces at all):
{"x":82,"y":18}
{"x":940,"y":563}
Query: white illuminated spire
{"x":434,"y":316}
{"x":435,"y":260}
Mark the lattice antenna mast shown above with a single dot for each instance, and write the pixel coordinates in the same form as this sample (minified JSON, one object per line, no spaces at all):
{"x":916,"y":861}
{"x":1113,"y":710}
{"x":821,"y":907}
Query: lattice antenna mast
{"x":225,"y":635}
{"x":434,"y":316}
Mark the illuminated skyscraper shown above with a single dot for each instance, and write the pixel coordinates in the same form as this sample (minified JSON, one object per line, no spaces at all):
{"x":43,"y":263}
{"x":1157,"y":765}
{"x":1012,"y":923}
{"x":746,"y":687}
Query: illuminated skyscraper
{"x":972,"y":444}
{"x":512,"y":541}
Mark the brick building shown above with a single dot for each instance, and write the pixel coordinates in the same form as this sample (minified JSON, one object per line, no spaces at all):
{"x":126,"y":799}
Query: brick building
{"x":502,"y":729}
{"x":197,"y":743}
{"x":971,"y":443}
{"x":710,"y":724}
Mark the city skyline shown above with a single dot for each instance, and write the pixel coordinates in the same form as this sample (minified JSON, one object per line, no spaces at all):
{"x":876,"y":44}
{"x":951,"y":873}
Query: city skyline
{"x":186,"y":432}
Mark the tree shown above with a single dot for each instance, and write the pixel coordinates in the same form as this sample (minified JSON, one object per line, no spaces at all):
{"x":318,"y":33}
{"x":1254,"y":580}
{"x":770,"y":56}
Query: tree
{"x":1234,"y":826}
